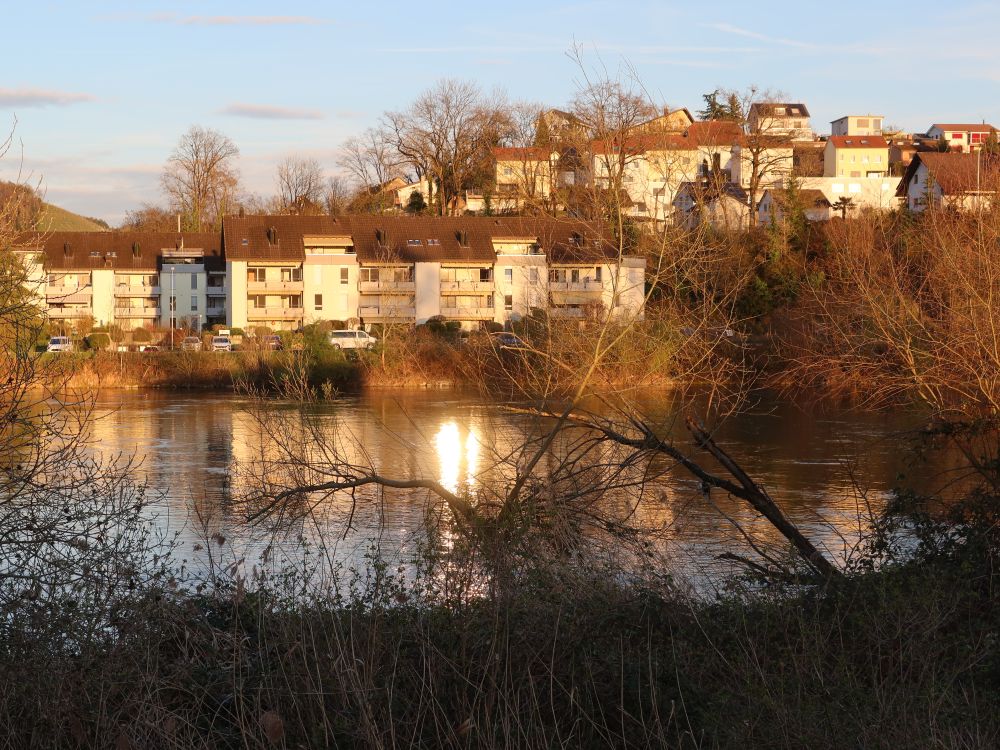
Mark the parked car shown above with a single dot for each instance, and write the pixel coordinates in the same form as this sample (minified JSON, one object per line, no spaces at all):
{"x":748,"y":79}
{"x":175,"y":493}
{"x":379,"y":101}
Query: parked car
{"x":272,"y":342}
{"x":149,"y":348}
{"x":351,"y":340}
{"x":221,"y":344}
{"x":60,"y":344}
{"x":191,"y":344}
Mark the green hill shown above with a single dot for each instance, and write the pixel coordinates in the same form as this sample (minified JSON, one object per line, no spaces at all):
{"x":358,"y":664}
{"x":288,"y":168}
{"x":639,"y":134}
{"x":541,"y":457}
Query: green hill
{"x":55,"y":219}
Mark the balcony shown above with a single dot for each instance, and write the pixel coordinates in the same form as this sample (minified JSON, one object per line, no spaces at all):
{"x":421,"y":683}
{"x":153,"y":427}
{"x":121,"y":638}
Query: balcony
{"x":388,"y":311}
{"x":468,"y":311}
{"x":215,"y":291}
{"x":127,"y":290}
{"x":467,"y":286}
{"x":576,"y":286}
{"x":274,"y":286}
{"x":387,"y":286}
{"x":274,"y":313}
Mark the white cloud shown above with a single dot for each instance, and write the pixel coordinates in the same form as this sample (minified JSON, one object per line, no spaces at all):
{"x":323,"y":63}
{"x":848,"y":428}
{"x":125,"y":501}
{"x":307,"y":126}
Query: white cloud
{"x":41,"y":98}
{"x":270,"y":112}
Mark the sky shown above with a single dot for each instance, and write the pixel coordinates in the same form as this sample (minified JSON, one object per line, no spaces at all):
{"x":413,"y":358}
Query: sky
{"x":98,"y":93}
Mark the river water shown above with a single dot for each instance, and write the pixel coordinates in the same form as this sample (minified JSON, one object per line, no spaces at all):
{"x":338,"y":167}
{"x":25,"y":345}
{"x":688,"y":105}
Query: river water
{"x":827,"y":468}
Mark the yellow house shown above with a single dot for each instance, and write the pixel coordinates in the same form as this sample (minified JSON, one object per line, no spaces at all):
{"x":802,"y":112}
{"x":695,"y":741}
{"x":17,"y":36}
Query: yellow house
{"x":856,"y":156}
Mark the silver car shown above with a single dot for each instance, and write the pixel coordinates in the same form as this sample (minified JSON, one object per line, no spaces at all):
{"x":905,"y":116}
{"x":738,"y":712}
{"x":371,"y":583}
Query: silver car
{"x":191,"y":344}
{"x":351,"y":340}
{"x":60,"y":344}
{"x":221,"y":344}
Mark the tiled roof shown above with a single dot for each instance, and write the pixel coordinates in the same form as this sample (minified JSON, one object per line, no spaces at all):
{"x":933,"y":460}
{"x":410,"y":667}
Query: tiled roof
{"x":792,"y":109}
{"x":858,"y":141}
{"x":67,"y":251}
{"x":955,"y":172}
{"x":378,"y":238}
{"x":529,"y":153}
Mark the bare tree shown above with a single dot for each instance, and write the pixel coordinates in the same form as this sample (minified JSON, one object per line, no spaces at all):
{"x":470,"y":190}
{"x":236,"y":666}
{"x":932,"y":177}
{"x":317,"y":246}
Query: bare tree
{"x":447,"y":135}
{"x":149,"y":218}
{"x":370,"y":158}
{"x":336,"y":195}
{"x":200,"y":177}
{"x":300,"y":185}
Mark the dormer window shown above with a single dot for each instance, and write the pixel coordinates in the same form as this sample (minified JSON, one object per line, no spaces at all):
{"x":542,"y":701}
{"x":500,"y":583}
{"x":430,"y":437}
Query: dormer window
{"x":433,"y":242}
{"x":95,"y":253}
{"x":414,"y":243}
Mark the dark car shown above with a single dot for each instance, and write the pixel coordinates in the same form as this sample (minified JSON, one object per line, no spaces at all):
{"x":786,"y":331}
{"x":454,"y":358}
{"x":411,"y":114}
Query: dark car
{"x":273,"y":342}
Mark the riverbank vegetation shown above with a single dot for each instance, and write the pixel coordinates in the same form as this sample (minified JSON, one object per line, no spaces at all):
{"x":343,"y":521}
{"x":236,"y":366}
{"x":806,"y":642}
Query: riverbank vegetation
{"x":540,"y":609}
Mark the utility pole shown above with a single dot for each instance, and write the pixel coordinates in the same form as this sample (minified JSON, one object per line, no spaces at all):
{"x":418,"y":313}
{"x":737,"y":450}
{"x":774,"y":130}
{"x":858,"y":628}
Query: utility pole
{"x":173,"y":301}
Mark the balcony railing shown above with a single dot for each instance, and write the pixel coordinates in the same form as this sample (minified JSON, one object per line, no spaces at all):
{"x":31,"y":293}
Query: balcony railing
{"x":137,"y":312}
{"x":468,"y":311}
{"x":216,"y":291}
{"x":274,"y":286}
{"x":70,"y":297}
{"x":69,"y":312}
{"x":60,"y":290}
{"x":467,"y":286}
{"x":388,"y":311}
{"x":387,"y":286}
{"x":576,"y":286}
{"x":274,"y":313}
{"x":566,"y":312}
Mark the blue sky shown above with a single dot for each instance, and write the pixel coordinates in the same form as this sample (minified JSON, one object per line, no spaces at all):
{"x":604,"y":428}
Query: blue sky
{"x":102,"y":91}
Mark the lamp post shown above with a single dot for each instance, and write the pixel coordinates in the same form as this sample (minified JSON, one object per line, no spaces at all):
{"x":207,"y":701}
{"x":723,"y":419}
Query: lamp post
{"x":173,"y":306}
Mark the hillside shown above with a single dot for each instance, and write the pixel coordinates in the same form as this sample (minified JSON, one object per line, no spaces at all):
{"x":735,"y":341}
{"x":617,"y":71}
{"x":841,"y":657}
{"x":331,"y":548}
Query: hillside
{"x":56,"y":219}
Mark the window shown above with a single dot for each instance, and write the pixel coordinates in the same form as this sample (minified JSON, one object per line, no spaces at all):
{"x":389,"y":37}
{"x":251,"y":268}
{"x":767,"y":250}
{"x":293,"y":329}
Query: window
{"x":258,"y":301}
{"x":258,"y":275}
{"x":508,"y":275}
{"x":194,"y":281}
{"x":194,"y":300}
{"x":533,"y":275}
{"x":597,"y":273}
{"x":173,"y":303}
{"x":432,"y":242}
{"x":557,"y":275}
{"x":575,"y":276}
{"x":369,"y":275}
{"x":508,"y":302}
{"x":345,"y":275}
{"x":862,"y":122}
{"x":486,"y":274}
{"x":414,"y":243}
{"x":318,"y":301}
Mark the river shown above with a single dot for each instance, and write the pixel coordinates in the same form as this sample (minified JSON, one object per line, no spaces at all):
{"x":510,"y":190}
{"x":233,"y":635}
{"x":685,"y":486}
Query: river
{"x":827,"y":468}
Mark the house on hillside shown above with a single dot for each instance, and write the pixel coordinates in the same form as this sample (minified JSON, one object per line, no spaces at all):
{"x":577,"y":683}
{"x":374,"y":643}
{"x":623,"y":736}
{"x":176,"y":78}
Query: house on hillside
{"x":849,"y":156}
{"x":857,"y":125}
{"x":780,"y":118}
{"x":961,"y":137}
{"x":959,"y":181}
{"x":719,"y":205}
{"x":773,"y":206}
{"x":524,"y":176}
{"x":671,"y":121}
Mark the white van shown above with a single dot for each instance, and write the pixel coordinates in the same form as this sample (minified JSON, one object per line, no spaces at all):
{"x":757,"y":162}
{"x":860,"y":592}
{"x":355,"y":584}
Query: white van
{"x":351,"y":340}
{"x":60,"y":344}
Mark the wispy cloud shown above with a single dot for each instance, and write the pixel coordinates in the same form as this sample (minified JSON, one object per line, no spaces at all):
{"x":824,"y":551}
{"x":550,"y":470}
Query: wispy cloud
{"x":237,"y":20}
{"x":270,"y":112}
{"x":41,"y":98}
{"x":728,"y":28}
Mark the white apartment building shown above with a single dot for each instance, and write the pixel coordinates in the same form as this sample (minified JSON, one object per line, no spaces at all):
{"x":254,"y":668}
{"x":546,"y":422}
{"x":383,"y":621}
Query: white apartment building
{"x":857,"y":125}
{"x":283,"y":272}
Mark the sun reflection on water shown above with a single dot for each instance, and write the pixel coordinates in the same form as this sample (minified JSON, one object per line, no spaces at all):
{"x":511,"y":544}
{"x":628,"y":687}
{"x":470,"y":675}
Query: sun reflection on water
{"x":459,"y":458}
